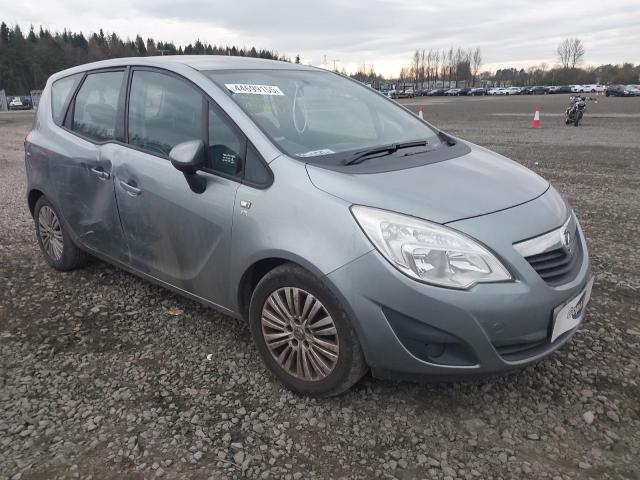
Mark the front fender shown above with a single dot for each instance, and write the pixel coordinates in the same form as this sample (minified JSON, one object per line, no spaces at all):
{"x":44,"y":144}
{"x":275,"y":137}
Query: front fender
{"x":294,"y":221}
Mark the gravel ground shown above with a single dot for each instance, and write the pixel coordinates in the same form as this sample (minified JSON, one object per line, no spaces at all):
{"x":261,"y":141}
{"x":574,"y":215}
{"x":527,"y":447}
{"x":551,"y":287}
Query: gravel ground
{"x":105,"y":376}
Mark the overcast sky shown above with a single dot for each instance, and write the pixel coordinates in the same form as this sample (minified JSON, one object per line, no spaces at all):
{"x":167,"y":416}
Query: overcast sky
{"x":382,"y":32}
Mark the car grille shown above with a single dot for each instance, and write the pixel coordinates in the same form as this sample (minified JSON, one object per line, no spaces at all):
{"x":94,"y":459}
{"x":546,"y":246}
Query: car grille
{"x":560,"y":265}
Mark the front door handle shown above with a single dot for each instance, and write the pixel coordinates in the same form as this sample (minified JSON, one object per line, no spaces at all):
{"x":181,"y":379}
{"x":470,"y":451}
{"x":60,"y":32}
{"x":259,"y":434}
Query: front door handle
{"x":100,"y":172}
{"x":131,"y":188}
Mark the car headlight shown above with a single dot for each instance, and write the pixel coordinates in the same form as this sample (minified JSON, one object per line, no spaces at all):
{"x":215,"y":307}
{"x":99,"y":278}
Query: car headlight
{"x":429,"y":252}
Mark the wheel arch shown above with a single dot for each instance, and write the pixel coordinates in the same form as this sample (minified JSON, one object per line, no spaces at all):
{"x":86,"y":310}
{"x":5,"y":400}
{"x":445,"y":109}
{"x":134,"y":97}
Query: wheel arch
{"x":257,"y":268}
{"x":32,"y":198}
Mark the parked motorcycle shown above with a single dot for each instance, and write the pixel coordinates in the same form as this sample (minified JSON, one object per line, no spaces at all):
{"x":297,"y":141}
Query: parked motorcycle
{"x":575,"y":110}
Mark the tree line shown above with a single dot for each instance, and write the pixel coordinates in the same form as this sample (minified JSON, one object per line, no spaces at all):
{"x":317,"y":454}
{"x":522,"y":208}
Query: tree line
{"x":26,"y":61}
{"x":431,"y":68}
{"x":457,"y":66}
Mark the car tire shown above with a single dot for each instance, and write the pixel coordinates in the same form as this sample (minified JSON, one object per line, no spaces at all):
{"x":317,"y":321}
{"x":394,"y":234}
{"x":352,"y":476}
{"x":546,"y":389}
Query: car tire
{"x":313,"y":349}
{"x":57,"y":247}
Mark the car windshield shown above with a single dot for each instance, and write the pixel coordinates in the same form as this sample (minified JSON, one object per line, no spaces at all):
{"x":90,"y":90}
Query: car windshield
{"x":320,"y":114}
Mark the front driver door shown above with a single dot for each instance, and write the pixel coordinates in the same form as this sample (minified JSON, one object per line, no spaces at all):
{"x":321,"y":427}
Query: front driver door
{"x":174,"y":234}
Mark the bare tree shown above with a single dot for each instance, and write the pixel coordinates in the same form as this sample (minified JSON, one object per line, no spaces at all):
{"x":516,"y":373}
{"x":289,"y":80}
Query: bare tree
{"x":570,"y":53}
{"x":361,"y":72}
{"x":415,"y":67}
{"x":476,"y":63}
{"x":423,"y":68}
{"x":543,"y":68}
{"x":577,"y":52}
{"x":458,"y":59}
{"x":564,"y":53}
{"x":427,"y":67}
{"x":451,"y":63}
{"x":436,"y":67}
{"x":444,"y":69}
{"x":402,"y":79}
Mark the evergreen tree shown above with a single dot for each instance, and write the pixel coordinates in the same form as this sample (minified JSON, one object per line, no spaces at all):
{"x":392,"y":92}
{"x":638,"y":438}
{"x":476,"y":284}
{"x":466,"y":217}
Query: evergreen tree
{"x":26,"y":63}
{"x":141,"y":49}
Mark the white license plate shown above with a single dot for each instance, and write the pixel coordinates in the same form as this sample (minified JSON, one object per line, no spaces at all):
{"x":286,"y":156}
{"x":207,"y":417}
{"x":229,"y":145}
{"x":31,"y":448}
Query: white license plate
{"x":569,"y":315}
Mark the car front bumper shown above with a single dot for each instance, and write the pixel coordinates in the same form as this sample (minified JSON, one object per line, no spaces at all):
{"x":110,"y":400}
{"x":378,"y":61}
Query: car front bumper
{"x":408,"y":328}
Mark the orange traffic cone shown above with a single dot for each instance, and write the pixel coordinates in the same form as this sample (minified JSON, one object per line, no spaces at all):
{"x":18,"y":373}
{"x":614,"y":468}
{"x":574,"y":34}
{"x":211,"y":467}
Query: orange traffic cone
{"x":421,"y":113}
{"x":535,"y":123}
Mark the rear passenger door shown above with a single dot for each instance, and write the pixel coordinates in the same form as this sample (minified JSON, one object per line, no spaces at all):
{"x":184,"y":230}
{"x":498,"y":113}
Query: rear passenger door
{"x":81,"y":172}
{"x":175,"y":234}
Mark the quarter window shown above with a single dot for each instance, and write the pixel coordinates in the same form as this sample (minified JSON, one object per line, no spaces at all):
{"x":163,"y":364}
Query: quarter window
{"x":60,"y":91}
{"x":163,"y":111}
{"x":96,"y":106}
{"x":226,"y":146}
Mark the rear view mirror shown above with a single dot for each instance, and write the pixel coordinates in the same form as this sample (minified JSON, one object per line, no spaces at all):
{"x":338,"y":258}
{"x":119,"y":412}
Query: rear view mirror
{"x":188,"y":157}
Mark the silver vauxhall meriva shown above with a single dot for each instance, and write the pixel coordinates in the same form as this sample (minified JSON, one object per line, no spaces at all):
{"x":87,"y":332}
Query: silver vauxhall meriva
{"x":349,"y":233}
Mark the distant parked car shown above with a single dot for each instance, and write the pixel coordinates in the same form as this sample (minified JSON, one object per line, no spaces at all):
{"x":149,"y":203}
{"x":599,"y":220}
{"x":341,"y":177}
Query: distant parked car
{"x":15,"y":104}
{"x":576,"y":88}
{"x":452,"y":92}
{"x":406,"y":93}
{"x":538,"y":90}
{"x":464,"y":91}
{"x":477,"y":91}
{"x":620,"y":91}
{"x":437,"y":92}
{"x":634,"y":89}
{"x":513,"y":91}
{"x":560,"y":89}
{"x":591,"y":88}
{"x":497,"y":91}
{"x":534,"y":90}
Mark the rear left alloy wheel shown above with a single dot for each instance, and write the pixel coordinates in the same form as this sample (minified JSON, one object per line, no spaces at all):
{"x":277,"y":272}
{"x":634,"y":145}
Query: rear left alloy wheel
{"x":303,"y":335}
{"x":56,"y":244}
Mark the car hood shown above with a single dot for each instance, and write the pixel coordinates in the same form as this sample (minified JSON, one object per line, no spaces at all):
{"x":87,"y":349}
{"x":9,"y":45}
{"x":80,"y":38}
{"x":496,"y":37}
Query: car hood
{"x":478,"y":183}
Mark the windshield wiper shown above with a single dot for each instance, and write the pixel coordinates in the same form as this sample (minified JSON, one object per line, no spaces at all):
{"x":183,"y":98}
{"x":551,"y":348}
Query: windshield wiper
{"x":387,"y":150}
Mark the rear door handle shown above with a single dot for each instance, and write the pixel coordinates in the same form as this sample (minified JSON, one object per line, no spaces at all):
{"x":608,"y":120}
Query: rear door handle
{"x":99,"y":171}
{"x":132,"y":190}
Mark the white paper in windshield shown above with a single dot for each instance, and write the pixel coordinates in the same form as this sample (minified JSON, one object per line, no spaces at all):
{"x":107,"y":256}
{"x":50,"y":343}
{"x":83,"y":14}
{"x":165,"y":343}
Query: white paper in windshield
{"x":254,"y":89}
{"x":315,"y":153}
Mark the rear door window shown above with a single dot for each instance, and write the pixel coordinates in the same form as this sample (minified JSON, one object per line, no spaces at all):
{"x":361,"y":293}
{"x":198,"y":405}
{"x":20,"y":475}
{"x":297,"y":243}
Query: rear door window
{"x":96,"y":106}
{"x":60,"y":92}
{"x":163,"y":112}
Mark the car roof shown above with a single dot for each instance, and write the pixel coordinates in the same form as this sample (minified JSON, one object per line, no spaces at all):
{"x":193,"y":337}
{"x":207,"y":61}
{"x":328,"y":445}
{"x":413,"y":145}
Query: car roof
{"x":197,"y":62}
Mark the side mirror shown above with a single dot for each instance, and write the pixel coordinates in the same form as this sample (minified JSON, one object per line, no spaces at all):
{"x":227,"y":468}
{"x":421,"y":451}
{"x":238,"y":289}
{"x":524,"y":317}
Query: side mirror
{"x":188,"y":157}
